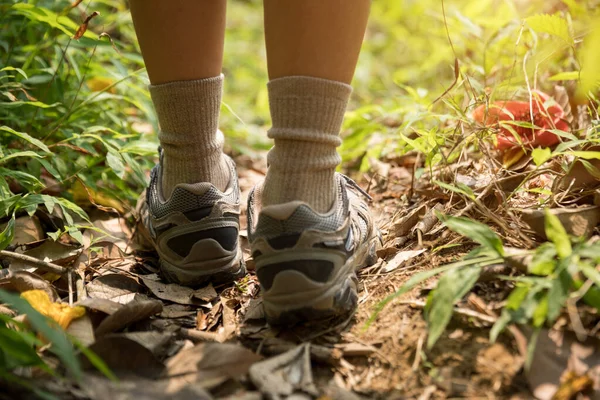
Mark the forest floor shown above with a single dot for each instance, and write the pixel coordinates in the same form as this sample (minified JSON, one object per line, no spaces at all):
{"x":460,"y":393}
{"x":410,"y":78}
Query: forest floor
{"x":166,"y":341}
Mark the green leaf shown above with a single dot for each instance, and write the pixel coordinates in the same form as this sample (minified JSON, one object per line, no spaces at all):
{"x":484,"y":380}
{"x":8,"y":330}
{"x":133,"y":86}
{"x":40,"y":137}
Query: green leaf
{"x":37,"y":143}
{"x":541,"y":155}
{"x":586,"y":155}
{"x":19,"y":70}
{"x":452,"y":286}
{"x":565,"y":76}
{"x":544,"y":260}
{"x":61,"y":347}
{"x":7,"y":235}
{"x":464,"y":190}
{"x":500,"y":325}
{"x":557,"y":234}
{"x":557,"y":296}
{"x":551,"y":24}
{"x":517,"y":296}
{"x":17,"y":349}
{"x":115,"y":162}
{"x":541,"y":312}
{"x":475,"y":231}
{"x":591,"y":273}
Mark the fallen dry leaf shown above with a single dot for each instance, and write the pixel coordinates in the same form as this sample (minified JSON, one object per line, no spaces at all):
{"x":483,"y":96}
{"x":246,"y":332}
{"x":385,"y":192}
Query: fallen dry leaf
{"x":111,"y":286}
{"x":173,"y":292}
{"x":560,"y":355}
{"x":136,"y":388}
{"x":22,"y":281}
{"x":125,"y":356}
{"x":63,"y":314}
{"x":577,"y":221}
{"x":274,"y":376}
{"x":157,"y":342}
{"x":82,"y":330}
{"x":50,"y":251}
{"x":128,"y":314}
{"x":401,"y":258}
{"x":103,"y":305}
{"x":27,"y":230}
{"x":176,"y":311}
{"x":209,"y":364}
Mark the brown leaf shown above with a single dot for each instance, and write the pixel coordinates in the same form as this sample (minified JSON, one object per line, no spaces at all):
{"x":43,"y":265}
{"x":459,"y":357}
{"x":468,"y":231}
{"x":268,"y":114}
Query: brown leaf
{"x":22,"y":281}
{"x":176,"y":311}
{"x":27,"y":230}
{"x":103,"y":305}
{"x":128,"y":314}
{"x":407,"y":223}
{"x":560,"y":355}
{"x":157,"y":342}
{"x":50,"y":251}
{"x":173,"y":292}
{"x":126,"y":356}
{"x":401,"y":258}
{"x":272,"y":379}
{"x":134,"y":388}
{"x":82,"y":330}
{"x":83,"y":27}
{"x":206,"y":293}
{"x":111,"y":286}
{"x":577,"y":221}
{"x":209,"y":364}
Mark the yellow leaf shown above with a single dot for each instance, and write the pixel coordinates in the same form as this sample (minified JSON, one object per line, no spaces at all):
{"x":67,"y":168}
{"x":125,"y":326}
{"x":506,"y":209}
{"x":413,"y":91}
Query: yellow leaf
{"x":99,"y":84}
{"x":63,"y":314}
{"x":512,"y":156}
{"x":83,"y":195}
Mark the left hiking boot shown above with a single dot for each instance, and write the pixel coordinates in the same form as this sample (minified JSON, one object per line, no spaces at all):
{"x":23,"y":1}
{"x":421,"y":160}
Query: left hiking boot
{"x":195,"y":231}
{"x":306,"y":261}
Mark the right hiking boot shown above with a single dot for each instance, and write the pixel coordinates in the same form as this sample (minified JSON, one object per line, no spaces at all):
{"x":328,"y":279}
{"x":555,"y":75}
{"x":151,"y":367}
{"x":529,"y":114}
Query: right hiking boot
{"x":195,"y":231}
{"x":306,"y":261}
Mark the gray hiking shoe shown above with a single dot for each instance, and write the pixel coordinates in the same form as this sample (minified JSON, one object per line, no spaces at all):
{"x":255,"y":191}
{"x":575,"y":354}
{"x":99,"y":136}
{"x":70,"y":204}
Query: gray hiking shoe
{"x":306,"y":262}
{"x":195,"y":231}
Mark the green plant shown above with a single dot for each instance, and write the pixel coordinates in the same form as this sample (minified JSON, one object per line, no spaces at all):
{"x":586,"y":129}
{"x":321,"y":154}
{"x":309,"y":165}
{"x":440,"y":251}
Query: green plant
{"x":21,"y":341}
{"x":563,"y":268}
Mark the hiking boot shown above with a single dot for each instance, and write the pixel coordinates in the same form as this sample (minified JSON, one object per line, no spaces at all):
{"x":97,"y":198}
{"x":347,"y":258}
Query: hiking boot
{"x":195,"y":231}
{"x":306,"y":262}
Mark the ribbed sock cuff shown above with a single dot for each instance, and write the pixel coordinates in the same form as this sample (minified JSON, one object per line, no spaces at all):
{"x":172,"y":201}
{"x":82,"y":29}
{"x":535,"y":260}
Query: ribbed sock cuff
{"x":307,"y":115}
{"x":188,"y":114}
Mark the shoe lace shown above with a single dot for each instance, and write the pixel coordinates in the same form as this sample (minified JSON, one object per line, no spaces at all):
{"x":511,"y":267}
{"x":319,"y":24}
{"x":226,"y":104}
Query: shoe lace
{"x":355,"y":185}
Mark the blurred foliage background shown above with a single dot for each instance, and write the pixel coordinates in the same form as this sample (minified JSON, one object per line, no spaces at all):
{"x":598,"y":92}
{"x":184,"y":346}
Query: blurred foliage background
{"x":77,"y":122}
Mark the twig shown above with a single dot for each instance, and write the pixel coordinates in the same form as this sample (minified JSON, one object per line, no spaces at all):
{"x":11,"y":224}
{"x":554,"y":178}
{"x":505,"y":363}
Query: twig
{"x":70,"y":280}
{"x":417,"y":360}
{"x":44,"y":265}
{"x":198,"y":336}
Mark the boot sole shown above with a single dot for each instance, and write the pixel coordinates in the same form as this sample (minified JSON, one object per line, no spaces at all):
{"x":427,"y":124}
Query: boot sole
{"x":338,"y":299}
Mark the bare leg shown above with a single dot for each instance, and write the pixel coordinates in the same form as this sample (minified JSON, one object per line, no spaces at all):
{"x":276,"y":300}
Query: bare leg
{"x":182,"y":45}
{"x":180,"y":40}
{"x":318,"y":38}
{"x":312,"y":50}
